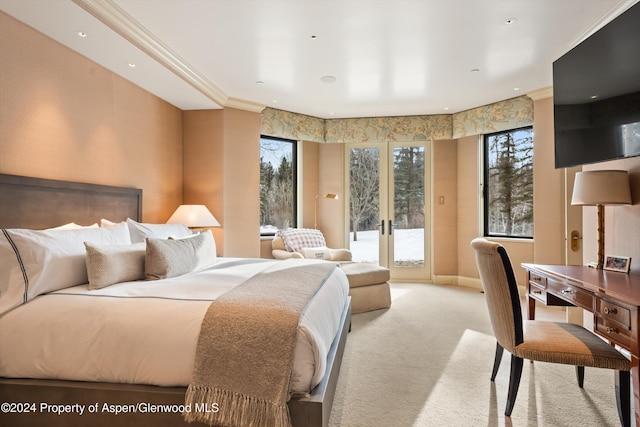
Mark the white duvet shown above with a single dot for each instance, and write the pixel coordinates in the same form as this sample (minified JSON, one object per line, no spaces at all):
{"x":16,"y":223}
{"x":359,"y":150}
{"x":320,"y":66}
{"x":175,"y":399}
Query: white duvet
{"x":146,"y":332}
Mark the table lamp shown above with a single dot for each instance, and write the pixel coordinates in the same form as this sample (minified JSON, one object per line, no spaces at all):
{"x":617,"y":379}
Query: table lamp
{"x":600,"y":188}
{"x":194,"y":216}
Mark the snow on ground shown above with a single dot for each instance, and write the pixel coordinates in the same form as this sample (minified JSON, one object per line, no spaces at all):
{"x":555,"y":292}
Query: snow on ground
{"x":409,"y":245}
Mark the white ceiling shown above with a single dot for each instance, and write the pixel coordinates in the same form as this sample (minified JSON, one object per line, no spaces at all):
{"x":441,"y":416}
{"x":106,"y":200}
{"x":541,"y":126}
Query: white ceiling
{"x":389,"y":57}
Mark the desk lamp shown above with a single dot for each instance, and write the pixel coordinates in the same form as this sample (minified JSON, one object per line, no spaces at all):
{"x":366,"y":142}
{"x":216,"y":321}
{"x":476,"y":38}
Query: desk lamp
{"x":600,"y":188}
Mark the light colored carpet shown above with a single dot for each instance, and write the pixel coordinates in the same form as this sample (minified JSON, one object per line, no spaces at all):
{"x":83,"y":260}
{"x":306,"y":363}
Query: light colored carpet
{"x":427,"y":362}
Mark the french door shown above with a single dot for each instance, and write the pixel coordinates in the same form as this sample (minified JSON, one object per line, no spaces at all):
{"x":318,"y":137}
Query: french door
{"x":387,"y":196}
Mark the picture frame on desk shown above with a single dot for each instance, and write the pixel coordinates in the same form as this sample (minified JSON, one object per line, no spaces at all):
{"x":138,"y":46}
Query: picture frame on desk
{"x":617,"y":263}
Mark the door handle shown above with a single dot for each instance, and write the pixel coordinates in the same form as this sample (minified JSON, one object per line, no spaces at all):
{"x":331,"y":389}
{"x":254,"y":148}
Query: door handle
{"x":390,"y":227}
{"x":575,"y":240}
{"x":382,"y":227}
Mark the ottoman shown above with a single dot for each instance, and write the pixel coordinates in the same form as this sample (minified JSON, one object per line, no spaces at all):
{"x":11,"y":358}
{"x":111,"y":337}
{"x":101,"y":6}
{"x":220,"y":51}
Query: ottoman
{"x":368,"y":286}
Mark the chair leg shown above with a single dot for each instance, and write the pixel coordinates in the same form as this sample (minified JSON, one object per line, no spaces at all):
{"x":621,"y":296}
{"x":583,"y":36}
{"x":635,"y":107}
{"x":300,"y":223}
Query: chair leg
{"x":623,"y":397}
{"x":580,"y":376}
{"x":496,"y":361}
{"x":514,"y":383}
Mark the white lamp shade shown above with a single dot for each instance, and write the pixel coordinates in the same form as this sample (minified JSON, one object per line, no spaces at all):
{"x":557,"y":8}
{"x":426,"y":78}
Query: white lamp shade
{"x":604,"y":187}
{"x":194,"y":216}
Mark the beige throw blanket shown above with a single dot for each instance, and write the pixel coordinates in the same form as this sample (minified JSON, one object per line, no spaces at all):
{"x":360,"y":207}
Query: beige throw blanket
{"x":244,"y":355}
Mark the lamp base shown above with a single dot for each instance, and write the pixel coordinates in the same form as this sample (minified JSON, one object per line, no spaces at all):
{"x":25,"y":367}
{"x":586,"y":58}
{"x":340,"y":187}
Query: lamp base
{"x":600,"y":263}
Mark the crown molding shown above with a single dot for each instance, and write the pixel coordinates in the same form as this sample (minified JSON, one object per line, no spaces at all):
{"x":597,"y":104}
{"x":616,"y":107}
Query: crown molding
{"x":243,"y":104}
{"x":538,"y":94}
{"x":110,"y":14}
{"x":609,"y":16}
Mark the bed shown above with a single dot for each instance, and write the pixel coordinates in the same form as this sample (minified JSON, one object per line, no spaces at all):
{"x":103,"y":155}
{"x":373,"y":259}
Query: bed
{"x":37,"y":203}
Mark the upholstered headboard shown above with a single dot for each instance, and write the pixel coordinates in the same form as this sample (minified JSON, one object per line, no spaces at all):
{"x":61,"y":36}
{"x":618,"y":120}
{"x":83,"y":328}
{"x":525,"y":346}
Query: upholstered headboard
{"x":36,"y":203}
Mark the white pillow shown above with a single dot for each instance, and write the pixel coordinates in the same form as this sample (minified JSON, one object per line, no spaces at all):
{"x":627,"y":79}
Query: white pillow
{"x":72,"y":226}
{"x":140,"y":231}
{"x":34,"y":262}
{"x":111,"y":264}
{"x":297,"y":238}
{"x":316,"y":253}
{"x":175,"y":257}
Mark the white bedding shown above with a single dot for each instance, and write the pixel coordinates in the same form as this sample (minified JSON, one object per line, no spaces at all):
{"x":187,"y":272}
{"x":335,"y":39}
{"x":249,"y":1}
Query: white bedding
{"x":145,"y":332}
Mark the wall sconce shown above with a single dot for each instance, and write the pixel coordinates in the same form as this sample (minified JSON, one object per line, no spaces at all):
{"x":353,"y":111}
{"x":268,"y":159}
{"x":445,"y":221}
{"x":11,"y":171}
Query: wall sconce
{"x":326,"y":196}
{"x":599,"y":188}
{"x":194,"y":216}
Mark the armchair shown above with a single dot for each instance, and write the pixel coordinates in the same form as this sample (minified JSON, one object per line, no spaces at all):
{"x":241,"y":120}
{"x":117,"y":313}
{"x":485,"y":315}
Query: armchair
{"x":305,"y":243}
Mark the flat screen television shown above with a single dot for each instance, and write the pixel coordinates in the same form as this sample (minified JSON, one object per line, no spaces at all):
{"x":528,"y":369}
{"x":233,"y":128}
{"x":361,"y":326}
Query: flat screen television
{"x":596,"y":95}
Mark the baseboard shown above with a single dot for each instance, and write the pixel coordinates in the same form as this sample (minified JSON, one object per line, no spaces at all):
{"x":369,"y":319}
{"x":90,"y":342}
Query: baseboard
{"x":467,"y":282}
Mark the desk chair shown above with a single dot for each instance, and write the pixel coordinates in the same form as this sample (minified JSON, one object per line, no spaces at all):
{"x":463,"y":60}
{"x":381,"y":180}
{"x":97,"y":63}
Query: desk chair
{"x":538,"y":340}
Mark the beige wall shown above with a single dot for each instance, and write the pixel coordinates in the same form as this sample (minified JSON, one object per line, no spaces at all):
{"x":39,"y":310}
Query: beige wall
{"x":222,"y":171}
{"x":64,"y":117}
{"x":309,"y":181}
{"x":548,"y":190}
{"x":331,"y":213}
{"x":204,"y":165}
{"x":468,"y":186}
{"x":445,"y":208}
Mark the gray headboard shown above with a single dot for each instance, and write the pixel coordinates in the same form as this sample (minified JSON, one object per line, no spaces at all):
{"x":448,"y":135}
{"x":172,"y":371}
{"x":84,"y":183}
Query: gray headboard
{"x":37,"y":203}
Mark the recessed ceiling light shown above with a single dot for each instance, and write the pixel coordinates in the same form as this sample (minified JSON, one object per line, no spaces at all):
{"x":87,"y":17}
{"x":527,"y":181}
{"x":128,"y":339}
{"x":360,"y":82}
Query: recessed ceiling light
{"x":131,"y":64}
{"x":594,"y":96}
{"x":275,"y":100}
{"x":516,"y":88}
{"x":314,"y":37}
{"x":511,"y":21}
{"x":259,"y":82}
{"x":446,"y":108}
{"x":81,"y":34}
{"x":475,"y":70}
{"x":328,"y":79}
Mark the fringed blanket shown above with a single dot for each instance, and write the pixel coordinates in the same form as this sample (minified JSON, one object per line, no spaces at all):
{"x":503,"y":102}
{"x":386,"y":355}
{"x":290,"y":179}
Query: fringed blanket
{"x":245,"y":350}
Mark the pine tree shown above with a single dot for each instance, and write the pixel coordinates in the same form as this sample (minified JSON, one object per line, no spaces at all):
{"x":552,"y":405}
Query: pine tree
{"x":510,"y":184}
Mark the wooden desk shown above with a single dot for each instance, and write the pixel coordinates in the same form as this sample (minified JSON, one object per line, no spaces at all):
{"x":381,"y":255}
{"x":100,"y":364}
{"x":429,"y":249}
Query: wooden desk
{"x":612,"y":297}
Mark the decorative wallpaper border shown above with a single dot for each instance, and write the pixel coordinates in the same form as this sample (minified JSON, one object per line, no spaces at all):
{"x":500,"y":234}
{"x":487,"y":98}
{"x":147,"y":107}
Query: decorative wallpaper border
{"x":504,"y":115}
{"x":284,"y":124}
{"x":405,"y":128}
{"x":509,"y":114}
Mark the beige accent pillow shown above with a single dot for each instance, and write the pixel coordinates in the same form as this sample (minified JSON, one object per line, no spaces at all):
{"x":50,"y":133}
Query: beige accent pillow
{"x":316,"y":253}
{"x":169,"y":258}
{"x":111,"y":264}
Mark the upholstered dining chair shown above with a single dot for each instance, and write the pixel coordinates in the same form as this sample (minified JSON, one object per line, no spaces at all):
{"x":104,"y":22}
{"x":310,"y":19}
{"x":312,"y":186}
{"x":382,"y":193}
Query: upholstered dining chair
{"x":538,"y":340}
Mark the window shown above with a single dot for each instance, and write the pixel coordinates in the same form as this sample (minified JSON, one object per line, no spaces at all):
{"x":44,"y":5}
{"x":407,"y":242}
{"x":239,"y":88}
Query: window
{"x":508,"y":183}
{"x":277,"y":184}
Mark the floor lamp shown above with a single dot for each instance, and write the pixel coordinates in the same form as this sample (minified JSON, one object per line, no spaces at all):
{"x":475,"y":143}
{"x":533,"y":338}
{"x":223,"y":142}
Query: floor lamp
{"x":326,"y":196}
{"x":600,"y":188}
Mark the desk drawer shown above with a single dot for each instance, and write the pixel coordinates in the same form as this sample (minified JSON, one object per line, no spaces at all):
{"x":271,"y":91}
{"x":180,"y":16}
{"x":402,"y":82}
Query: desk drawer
{"x":538,"y":292}
{"x":537,"y":280}
{"x":613,"y":312}
{"x":613,"y":331}
{"x":572,"y":294}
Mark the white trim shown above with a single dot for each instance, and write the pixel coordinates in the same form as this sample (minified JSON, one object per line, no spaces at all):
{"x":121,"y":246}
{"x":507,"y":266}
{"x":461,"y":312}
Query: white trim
{"x":609,"y":16}
{"x":110,"y":14}
{"x":543,"y":93}
{"x":243,"y":104}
